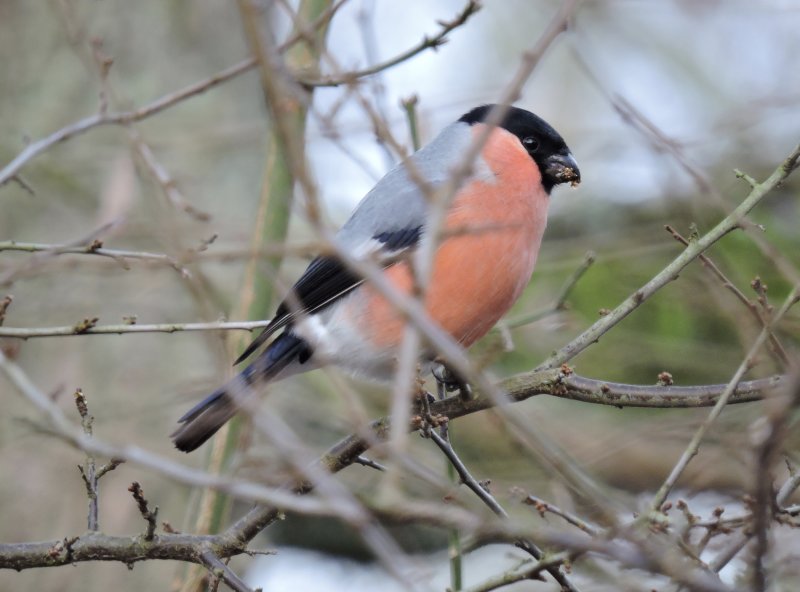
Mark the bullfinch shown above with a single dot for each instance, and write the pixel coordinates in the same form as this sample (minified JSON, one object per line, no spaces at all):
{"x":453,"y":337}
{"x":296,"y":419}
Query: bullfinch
{"x":333,"y":316}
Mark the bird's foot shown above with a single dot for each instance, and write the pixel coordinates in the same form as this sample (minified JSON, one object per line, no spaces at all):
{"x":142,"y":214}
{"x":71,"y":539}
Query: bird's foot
{"x":448,"y":382}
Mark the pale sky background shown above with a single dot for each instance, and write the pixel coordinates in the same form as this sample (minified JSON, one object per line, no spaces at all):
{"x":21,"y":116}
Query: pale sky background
{"x":703,"y":71}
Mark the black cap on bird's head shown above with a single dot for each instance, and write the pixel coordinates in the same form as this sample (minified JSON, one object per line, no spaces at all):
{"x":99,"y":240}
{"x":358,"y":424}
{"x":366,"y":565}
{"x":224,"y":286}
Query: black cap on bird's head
{"x":544,"y":144}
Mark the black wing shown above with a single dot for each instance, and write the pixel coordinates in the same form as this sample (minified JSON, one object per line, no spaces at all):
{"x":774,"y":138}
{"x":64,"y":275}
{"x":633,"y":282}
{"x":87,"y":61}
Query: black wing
{"x":325,"y":280}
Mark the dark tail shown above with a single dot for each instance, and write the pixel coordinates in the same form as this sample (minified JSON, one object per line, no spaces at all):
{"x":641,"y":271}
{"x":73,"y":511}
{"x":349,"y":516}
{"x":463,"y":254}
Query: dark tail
{"x":204,"y":419}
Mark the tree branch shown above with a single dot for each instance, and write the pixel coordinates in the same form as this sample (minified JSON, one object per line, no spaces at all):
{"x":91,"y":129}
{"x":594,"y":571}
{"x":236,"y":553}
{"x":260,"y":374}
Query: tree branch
{"x":694,"y":445}
{"x":99,"y":547}
{"x":487,"y":498}
{"x":470,"y":8}
{"x":86,"y":327}
{"x":217,"y":567}
{"x":775,"y":345}
{"x":94,"y":248}
{"x":82,"y":126}
{"x":86,"y":124}
{"x":671,"y":271}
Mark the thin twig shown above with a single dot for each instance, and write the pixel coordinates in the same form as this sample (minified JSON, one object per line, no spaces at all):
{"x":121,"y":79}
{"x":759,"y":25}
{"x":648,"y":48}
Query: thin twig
{"x":87,"y":328}
{"x":775,"y":345}
{"x":671,"y":271}
{"x":90,"y":474}
{"x":560,"y":302}
{"x":434,"y":42}
{"x":663,"y":143}
{"x":233,"y":541}
{"x":88,"y":469}
{"x":93,"y":248}
{"x":694,"y":445}
{"x":168,"y":185}
{"x":487,"y":498}
{"x":34,"y":149}
{"x":220,"y":570}
{"x":82,"y":126}
{"x":150,"y":516}
{"x":465,"y":476}
{"x":528,"y":573}
{"x":63,"y":428}
{"x":542,"y":507}
{"x":772,"y":437}
{"x":366,"y":462}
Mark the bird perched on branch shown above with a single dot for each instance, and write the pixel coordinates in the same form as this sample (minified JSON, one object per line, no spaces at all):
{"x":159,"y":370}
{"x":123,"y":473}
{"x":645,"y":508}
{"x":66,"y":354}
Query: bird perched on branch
{"x":492,"y":231}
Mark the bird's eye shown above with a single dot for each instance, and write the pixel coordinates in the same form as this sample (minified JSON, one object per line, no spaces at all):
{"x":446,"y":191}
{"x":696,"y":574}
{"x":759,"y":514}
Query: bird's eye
{"x":531,"y":144}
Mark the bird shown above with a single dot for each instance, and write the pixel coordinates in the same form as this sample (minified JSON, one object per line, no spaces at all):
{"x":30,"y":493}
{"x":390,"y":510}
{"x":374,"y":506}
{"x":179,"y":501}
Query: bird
{"x":493,"y":229}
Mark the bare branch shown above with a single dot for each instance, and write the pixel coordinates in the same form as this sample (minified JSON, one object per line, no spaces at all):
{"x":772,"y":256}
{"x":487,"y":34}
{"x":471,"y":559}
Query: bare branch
{"x":366,"y":462}
{"x":63,"y":428}
{"x":234,"y":539}
{"x":90,"y":474}
{"x":150,"y":516}
{"x":775,"y":345}
{"x":544,"y":507}
{"x":168,"y":185}
{"x":434,"y":42}
{"x":465,"y":476}
{"x":94,"y":248}
{"x":530,"y":572}
{"x":95,"y":546}
{"x":560,"y":302}
{"x":694,"y":445}
{"x":671,"y":271}
{"x":220,"y":570}
{"x":83,"y":328}
{"x":82,"y":126}
{"x":487,"y":498}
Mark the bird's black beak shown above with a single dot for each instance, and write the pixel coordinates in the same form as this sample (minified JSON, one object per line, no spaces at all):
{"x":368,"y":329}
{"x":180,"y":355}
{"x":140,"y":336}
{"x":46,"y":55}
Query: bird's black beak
{"x":562,"y":168}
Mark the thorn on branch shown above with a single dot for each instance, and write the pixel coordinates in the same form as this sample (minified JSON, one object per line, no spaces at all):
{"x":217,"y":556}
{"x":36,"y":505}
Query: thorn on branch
{"x":760,"y":288}
{"x":95,"y":244}
{"x":149,"y":516}
{"x":665,"y":379}
{"x":62,"y":548}
{"x":206,"y":242}
{"x":168,"y":528}
{"x":109,"y":466}
{"x":747,"y":178}
{"x":791,"y":163}
{"x":24,"y":184}
{"x":83,"y":411}
{"x":85,"y":325}
{"x":4,"y":304}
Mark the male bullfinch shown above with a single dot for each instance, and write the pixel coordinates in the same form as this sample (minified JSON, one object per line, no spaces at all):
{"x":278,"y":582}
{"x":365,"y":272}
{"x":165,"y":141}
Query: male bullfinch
{"x":475,"y":277}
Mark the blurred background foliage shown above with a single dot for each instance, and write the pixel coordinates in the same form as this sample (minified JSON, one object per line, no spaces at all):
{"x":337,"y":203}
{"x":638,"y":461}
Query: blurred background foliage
{"x":717,"y":79}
